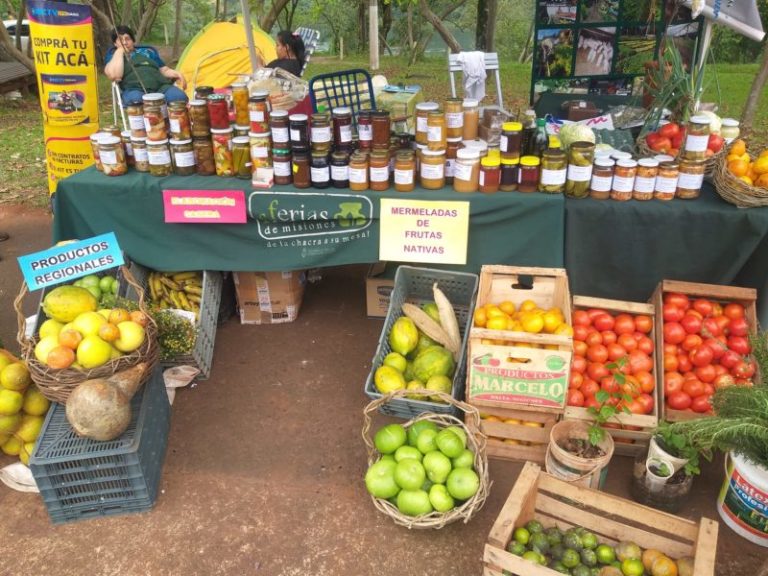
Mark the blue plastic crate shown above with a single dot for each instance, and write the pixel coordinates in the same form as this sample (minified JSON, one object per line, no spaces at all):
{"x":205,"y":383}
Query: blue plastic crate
{"x":80,"y":478}
{"x":414,"y":285}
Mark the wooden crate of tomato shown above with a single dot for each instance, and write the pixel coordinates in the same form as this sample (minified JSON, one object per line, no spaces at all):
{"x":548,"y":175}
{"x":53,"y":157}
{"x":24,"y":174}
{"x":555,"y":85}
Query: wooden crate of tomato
{"x":703,"y":343}
{"x":611,"y":336}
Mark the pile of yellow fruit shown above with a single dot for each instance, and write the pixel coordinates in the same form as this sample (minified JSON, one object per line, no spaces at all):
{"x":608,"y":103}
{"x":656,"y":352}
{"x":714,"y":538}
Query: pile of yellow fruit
{"x":514,"y":421}
{"x":527,"y":317}
{"x":741,"y":165}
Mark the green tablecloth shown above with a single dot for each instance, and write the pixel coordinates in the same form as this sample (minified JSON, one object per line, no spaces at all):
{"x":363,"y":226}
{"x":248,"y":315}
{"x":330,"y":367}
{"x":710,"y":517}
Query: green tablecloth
{"x":506,"y":228}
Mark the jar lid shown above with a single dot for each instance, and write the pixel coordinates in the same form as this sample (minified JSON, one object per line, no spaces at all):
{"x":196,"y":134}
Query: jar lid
{"x":428,"y":152}
{"x":529,"y":161}
{"x":298,"y":117}
{"x":242,"y":127}
{"x":140,"y":139}
{"x":96,"y":136}
{"x":342,"y":110}
{"x":648,"y":162}
{"x":604,"y":162}
{"x":604,"y":152}
{"x":669,"y":165}
{"x":180,"y":142}
{"x":237,"y":85}
{"x":512,"y":126}
{"x":278,"y":114}
{"x":276,"y":152}
{"x":162,"y":142}
{"x":153,"y":97}
{"x":454,"y":140}
{"x":730,"y":122}
{"x":259,"y":94}
{"x":427,"y":106}
{"x":490,"y":162}
{"x":260,"y":134}
{"x":510,"y":161}
{"x":470,"y":103}
{"x":197,"y":102}
{"x":626,"y":163}
{"x":380,"y":113}
{"x":554,"y":142}
{"x":221,"y":130}
{"x":619,"y":155}
{"x":238,"y":140}
{"x":700,"y":119}
{"x":215,"y":97}
{"x":125,"y":134}
{"x":664,"y":157}
{"x":481,"y":145}
{"x":468,"y":154}
{"x":109,"y":140}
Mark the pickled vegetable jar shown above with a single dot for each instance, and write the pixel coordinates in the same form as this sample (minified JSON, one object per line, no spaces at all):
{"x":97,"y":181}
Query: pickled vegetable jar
{"x":696,"y":138}
{"x":178,"y":117}
{"x":198,"y":115}
{"x":623,"y":180}
{"x":241,"y":157}
{"x":666,"y":181}
{"x":135,"y":113}
{"x":183,"y":157}
{"x":258,"y":111}
{"x":205,"y":165}
{"x":240,"y":103}
{"x":690,"y":178}
{"x":218,"y":112}
{"x":260,"y":145}
{"x":580,"y":158}
{"x":602,"y":178}
{"x":112,"y":156}
{"x":140,"y":158}
{"x":159,"y":158}
{"x":553,"y":171}
{"x":154,"y":119}
{"x":222,"y":151}
{"x":645,"y":179}
{"x":729,"y":129}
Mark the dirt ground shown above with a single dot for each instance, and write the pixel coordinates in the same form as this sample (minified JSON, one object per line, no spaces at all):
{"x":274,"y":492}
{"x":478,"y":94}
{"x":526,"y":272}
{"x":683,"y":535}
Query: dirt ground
{"x":263,"y":473}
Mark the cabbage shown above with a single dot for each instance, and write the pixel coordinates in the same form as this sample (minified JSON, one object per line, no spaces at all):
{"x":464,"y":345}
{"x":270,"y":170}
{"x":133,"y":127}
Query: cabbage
{"x":571,"y":133}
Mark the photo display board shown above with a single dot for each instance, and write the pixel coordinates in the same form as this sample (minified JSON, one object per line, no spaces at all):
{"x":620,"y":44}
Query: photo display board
{"x":602,"y":46}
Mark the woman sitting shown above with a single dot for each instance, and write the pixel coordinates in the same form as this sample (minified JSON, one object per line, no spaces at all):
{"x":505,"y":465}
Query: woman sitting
{"x":290,"y":53}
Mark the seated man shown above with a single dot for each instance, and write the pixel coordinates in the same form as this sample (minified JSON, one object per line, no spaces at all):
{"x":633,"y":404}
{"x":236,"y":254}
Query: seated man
{"x":145,"y":68}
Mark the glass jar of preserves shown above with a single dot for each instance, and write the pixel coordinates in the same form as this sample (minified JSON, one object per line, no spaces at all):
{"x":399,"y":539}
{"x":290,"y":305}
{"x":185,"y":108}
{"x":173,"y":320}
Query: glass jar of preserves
{"x":125,"y":138}
{"x":510,"y":174}
{"x":205,"y":165}
{"x":182,"y":157}
{"x":602,"y":178}
{"x":154,"y":119}
{"x":405,"y":171}
{"x":490,"y":175}
{"x":340,"y":169}
{"x":358,"y":172}
{"x":222,"y":151}
{"x":155,"y":99}
{"x":241,"y":130}
{"x":432,"y":169}
{"x":620,"y":155}
{"x":471,"y":109}
{"x":466,"y":170}
{"x":666,"y":181}
{"x":218,"y":112}
{"x":553,"y":171}
{"x":422,"y":111}
{"x":480,"y":145}
{"x":342,"y":127}
{"x":454,"y":118}
{"x":135,"y":113}
{"x":202,"y":92}
{"x":112,"y":156}
{"x":623,"y":180}
{"x":258,"y":111}
{"x":511,"y":141}
{"x":381,"y":129}
{"x":279,"y":127}
{"x":159,"y":157}
{"x":242,"y":166}
{"x":199,"y":120}
{"x":580,"y":158}
{"x":529,"y":174}
{"x":299,"y":131}
{"x":178,"y":118}
{"x":320,"y":132}
{"x":140,"y":158}
{"x":645,"y":179}
{"x":260,"y":145}
{"x":281,"y":161}
{"x":320,"y":170}
{"x":436,"y":138}
{"x":364,"y":130}
{"x":664,"y":158}
{"x":452,"y":147}
{"x":696,"y":138}
{"x":729,"y":130}
{"x":94,"y":138}
{"x":690,"y":177}
{"x":240,"y":103}
{"x":378,"y":170}
{"x":301,"y":169}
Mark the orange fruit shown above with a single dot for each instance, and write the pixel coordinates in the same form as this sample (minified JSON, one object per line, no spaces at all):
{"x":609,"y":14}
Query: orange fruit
{"x":747,"y":180}
{"x":119,"y":315}
{"x":60,"y":357}
{"x":140,"y":318}
{"x":738,"y":147}
{"x":507,"y":307}
{"x":70,"y":338}
{"x":663,"y":566}
{"x":109,"y":332}
{"x":760,"y":166}
{"x":528,"y":306}
{"x":732,"y":157}
{"x":738,"y":167}
{"x":649,"y":556}
{"x":762,"y":181}
{"x":764,"y":153}
{"x":480,"y":318}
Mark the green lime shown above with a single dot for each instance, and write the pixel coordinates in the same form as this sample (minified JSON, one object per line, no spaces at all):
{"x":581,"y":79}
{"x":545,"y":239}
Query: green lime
{"x":570,"y":558}
{"x":516,"y":548}
{"x":534,"y":526}
{"x":531,"y":556}
{"x":589,"y":540}
{"x":632,"y":567}
{"x":605,"y":554}
{"x":522,"y":535}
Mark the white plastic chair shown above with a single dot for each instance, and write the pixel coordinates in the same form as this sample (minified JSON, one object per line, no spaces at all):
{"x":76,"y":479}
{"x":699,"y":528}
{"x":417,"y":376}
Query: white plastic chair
{"x":311,"y":38}
{"x":117,"y":104}
{"x":491,"y":65}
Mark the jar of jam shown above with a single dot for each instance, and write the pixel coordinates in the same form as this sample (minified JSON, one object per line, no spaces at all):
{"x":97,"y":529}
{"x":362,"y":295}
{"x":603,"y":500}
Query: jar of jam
{"x":358,"y":172}
{"x":301,"y":169}
{"x":258,"y":111}
{"x":690,"y":178}
{"x":452,"y":147}
{"x":340,"y":169}
{"x":154,"y":118}
{"x":529,"y":174}
{"x":202,"y":92}
{"x":183,"y":157}
{"x":510,"y":174}
{"x":645,"y":179}
{"x":480,"y":145}
{"x":436,"y":138}
{"x":696,"y":138}
{"x":135,"y":113}
{"x":381,"y":129}
{"x":260,"y":146}
{"x":454,"y":118}
{"x":623,"y":180}
{"x":125,"y":138}
{"x":666,"y":181}
{"x":471,"y":109}
{"x":432,"y":169}
{"x":490,"y":175}
{"x":218,"y":112}
{"x":580,"y":158}
{"x":511,"y":141}
{"x":222,"y":151}
{"x":205,"y":165}
{"x":378,"y":170}
{"x":155,"y":99}
{"x":198,"y":115}
{"x":553,"y":171}
{"x":112,"y":156}
{"x":342,"y":127}
{"x":466,"y":170}
{"x":240,"y":103}
{"x":140,"y":158}
{"x":320,"y":132}
{"x":405,"y":170}
{"x":364,"y":130}
{"x":602,"y":178}
{"x":320,"y":170}
{"x":729,"y":130}
{"x":279,"y":127}
{"x":299,"y":131}
{"x":281,"y":160}
{"x":159,"y":157}
{"x":422,"y":111}
{"x":178,"y":118}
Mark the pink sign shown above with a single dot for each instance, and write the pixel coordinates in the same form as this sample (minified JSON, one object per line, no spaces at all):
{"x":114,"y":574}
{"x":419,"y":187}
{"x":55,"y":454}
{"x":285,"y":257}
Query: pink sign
{"x":204,"y":206}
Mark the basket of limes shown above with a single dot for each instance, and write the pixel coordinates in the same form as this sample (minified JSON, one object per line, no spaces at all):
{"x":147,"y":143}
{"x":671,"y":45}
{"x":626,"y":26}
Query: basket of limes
{"x":431,"y":470}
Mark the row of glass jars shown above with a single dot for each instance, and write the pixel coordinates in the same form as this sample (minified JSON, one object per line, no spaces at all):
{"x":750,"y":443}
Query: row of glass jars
{"x":458,"y":119}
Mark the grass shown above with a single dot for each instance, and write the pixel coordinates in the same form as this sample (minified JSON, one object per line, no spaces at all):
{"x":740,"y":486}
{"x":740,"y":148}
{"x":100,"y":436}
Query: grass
{"x":22,"y":154}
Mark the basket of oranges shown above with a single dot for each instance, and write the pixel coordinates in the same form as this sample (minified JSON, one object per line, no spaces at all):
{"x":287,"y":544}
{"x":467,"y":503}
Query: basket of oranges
{"x":741,"y":178}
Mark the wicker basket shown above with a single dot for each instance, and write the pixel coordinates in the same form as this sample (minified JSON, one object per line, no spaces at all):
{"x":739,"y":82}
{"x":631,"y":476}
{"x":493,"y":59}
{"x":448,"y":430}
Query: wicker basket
{"x":57,"y":385}
{"x":475,"y":442}
{"x":736,"y":191}
{"x":644,"y":151}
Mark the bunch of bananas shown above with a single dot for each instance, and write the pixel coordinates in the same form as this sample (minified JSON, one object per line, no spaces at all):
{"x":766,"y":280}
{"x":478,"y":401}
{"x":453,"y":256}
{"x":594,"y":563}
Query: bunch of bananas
{"x":181,"y":290}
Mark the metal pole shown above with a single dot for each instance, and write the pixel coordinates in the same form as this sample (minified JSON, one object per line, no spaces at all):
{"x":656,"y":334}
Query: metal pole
{"x":249,"y":35}
{"x":706,"y":40}
{"x":373,"y":32}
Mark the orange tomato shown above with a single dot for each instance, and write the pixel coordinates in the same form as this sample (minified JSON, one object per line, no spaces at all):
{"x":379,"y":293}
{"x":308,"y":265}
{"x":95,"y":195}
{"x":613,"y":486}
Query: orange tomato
{"x":738,"y":167}
{"x":645,"y":379}
{"x":60,"y":357}
{"x":738,"y":147}
{"x":643,"y":323}
{"x":70,"y":338}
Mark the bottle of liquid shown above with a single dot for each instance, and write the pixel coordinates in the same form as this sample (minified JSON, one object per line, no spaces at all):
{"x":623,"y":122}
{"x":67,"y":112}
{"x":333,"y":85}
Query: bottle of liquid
{"x":540,"y":139}
{"x":528,"y":120}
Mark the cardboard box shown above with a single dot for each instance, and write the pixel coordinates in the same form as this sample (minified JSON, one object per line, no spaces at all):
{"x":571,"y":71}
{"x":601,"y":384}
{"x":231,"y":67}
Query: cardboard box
{"x":269,"y":297}
{"x":379,"y":282}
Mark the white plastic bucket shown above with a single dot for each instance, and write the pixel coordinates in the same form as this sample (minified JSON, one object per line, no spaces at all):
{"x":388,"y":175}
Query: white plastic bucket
{"x":656,"y":451}
{"x":743,"y":499}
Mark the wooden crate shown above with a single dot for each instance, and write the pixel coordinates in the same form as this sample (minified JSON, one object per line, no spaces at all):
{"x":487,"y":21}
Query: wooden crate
{"x":537,"y":495}
{"x":532,"y":440}
{"x":747,"y":297}
{"x":633,"y":431}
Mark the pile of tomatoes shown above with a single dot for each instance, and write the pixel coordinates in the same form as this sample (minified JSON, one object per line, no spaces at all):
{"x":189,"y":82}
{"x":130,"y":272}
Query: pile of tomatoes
{"x":671,"y":137}
{"x":622,"y":342}
{"x":706,"y":346}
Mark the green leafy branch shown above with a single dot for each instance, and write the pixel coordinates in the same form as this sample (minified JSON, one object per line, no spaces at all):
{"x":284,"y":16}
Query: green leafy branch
{"x":611,"y":403}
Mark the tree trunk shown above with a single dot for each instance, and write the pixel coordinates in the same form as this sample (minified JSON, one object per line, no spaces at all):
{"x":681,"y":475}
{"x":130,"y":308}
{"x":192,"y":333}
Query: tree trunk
{"x":362,"y":25}
{"x":102,"y":30}
{"x":147,"y":19}
{"x":126,"y":13}
{"x":176,"y":31}
{"x":524,"y":55}
{"x":490,"y":30}
{"x":19,"y":20}
{"x":437,"y":23}
{"x":270,"y":17}
{"x":386,"y":25}
{"x":7,"y":46}
{"x":409,"y":16}
{"x":481,"y":25}
{"x":758,"y":83}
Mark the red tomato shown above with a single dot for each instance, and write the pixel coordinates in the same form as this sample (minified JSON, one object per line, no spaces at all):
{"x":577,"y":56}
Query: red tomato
{"x":702,"y":306}
{"x":645,"y":379}
{"x":739,"y":344}
{"x":718,"y":348}
{"x":580,"y":348}
{"x":670,"y":362}
{"x":643,"y":323}
{"x":592,"y":403}
{"x":594,"y":312}
{"x":672,"y":313}
{"x":639,"y":361}
{"x":593,"y":338}
{"x":673,"y":382}
{"x":679,"y":401}
{"x":652,"y":138}
{"x":730,"y":358}
{"x":575,"y":397}
{"x":580,"y":332}
{"x":597,"y":371}
{"x":616,"y":351}
{"x":691,"y":341}
{"x":693,"y":388}
{"x":701,"y":404}
{"x":733,"y":310}
{"x":706,"y":373}
{"x":674,"y":333}
{"x":609,"y":384}
{"x":624,"y":324}
{"x":603,"y":321}
{"x":720,"y":369}
{"x":744,"y":369}
{"x":589,"y":388}
{"x":597,"y":353}
{"x":660,"y":144}
{"x":710,"y":327}
{"x":609,"y":337}
{"x":576,"y":379}
{"x":708,"y":389}
{"x":715,"y":143}
{"x":645,"y":344}
{"x":689,"y":376}
{"x":669,"y":130}
{"x":680,"y":300}
{"x":722,"y":321}
{"x":738,"y":327}
{"x":627,"y":341}
{"x":691,"y":323}
{"x":670,"y":349}
{"x":581,"y":318}
{"x":579,"y":364}
{"x":724,"y":380}
{"x":701,"y":355}
{"x":744,"y":382}
{"x":631,"y":387}
{"x":636,"y":407}
{"x":647,"y":402}
{"x":684,"y":363}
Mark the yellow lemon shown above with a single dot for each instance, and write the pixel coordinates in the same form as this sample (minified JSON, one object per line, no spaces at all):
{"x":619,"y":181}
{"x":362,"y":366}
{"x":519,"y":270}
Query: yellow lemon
{"x":507,"y":307}
{"x":532,"y":323}
{"x":512,"y":421}
{"x":761,"y":165}
{"x":528,"y":305}
{"x":552,"y":321}
{"x":497,"y":323}
{"x":15,"y":376}
{"x":492,"y":311}
{"x":564,"y":330}
{"x":480,"y":318}
{"x":492,"y":419}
